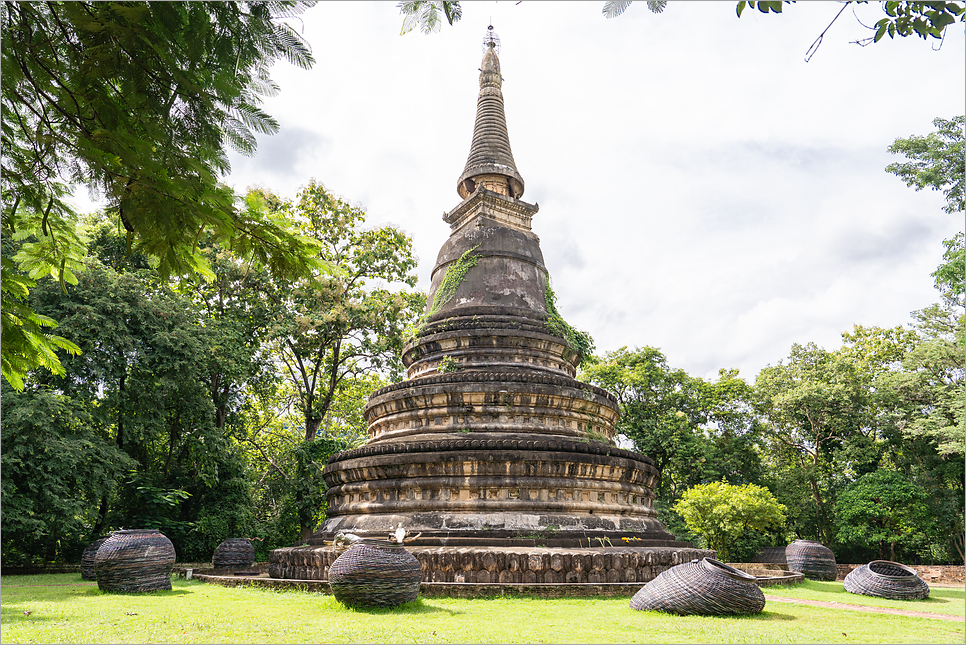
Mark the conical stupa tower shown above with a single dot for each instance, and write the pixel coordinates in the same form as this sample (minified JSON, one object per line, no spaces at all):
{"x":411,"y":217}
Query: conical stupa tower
{"x":491,"y":446}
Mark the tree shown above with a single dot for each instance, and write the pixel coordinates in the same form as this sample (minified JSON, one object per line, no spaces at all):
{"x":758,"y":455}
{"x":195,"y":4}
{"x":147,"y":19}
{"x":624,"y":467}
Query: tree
{"x":141,"y":382}
{"x":657,"y":413}
{"x":881,"y":509}
{"x":136,"y":101}
{"x":341,"y":325}
{"x":237,"y":317}
{"x":695,"y":431}
{"x":922,"y":406}
{"x":813,"y":405}
{"x":938,"y":161}
{"x":721,"y":513}
{"x":283,"y":481}
{"x":904,"y":18}
{"x":950,"y":275}
{"x":57,"y":465}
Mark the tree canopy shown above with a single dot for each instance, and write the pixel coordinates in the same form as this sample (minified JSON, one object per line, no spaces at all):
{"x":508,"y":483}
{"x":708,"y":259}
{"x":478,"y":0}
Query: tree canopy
{"x":137,"y":102}
{"x":721,"y":513}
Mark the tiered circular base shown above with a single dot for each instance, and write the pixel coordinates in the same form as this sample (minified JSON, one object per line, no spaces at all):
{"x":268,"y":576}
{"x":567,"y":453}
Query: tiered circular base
{"x":474,"y":457}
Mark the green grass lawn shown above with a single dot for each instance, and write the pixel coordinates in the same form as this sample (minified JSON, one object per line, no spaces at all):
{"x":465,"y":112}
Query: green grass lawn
{"x":64,"y":609}
{"x":941,"y":600}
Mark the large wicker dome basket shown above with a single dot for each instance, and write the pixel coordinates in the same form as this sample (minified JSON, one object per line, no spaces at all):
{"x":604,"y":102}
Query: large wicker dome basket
{"x":811,"y":558}
{"x":87,"y":558}
{"x":885,"y":579}
{"x":135,"y":561}
{"x":373,"y":573}
{"x":234,"y":553}
{"x":706,"y":587}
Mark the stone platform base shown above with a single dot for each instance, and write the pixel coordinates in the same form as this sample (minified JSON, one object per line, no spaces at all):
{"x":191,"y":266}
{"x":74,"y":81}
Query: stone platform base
{"x":506,"y":565}
{"x":439,"y":589}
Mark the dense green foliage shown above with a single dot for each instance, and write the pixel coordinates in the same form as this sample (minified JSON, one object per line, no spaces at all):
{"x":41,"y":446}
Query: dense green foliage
{"x":935,"y":161}
{"x":822,"y":431}
{"x":880,"y":509}
{"x":180,"y":411}
{"x":332,"y":328}
{"x":722,"y":514}
{"x":136,"y":101}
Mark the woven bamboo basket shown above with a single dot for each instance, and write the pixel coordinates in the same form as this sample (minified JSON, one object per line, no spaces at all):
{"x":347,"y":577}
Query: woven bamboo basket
{"x":374,"y":573}
{"x":234,"y":553}
{"x":134,"y":561}
{"x":771,"y":555}
{"x":87,"y":558}
{"x":885,"y":579}
{"x":706,"y":587}
{"x":812,"y":558}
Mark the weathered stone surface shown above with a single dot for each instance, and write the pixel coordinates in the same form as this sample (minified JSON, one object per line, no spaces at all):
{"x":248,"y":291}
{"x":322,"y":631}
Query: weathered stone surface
{"x":506,"y":565}
{"x":490,"y":161}
{"x":491,"y":445}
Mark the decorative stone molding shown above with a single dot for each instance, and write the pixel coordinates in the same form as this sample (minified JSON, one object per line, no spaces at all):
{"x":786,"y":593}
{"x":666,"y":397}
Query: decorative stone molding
{"x":500,"y":209}
{"x":513,"y":565}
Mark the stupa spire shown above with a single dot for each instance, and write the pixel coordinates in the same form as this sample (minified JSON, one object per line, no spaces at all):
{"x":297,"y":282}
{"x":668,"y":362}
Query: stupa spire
{"x":490,"y":163}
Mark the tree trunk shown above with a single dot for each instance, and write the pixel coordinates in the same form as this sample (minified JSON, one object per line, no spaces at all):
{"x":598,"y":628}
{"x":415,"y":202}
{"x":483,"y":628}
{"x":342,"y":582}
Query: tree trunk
{"x":307,"y":532}
{"x":311,"y":427}
{"x":101,"y":518}
{"x":119,"y":440}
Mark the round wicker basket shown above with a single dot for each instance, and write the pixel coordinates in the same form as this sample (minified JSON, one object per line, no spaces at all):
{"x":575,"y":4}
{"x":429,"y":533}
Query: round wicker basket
{"x":134,"y":561}
{"x":706,"y":587}
{"x":374,"y":573}
{"x":87,"y":558}
{"x":885,"y":579}
{"x":811,"y":558}
{"x":234,"y":553}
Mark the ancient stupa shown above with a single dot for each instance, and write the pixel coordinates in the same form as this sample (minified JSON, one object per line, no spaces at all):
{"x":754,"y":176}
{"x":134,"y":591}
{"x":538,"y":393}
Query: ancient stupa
{"x":491,"y":450}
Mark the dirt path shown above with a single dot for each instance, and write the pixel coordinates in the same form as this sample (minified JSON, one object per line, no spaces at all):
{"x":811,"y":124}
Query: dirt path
{"x":877,"y":610}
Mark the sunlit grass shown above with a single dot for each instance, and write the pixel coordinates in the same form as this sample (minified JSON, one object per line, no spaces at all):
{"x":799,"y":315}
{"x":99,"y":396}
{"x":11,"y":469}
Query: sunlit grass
{"x":194,"y":612}
{"x":941,"y":600}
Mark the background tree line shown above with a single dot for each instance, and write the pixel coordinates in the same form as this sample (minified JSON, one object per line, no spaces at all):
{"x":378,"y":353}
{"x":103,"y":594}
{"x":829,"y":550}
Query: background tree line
{"x":205,"y":409}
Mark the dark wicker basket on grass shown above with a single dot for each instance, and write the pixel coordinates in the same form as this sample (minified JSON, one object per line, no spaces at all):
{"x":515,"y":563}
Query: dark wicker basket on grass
{"x":374,"y":573}
{"x":885,"y":579}
{"x":812,"y":558}
{"x":705,"y":587}
{"x":87,"y":558}
{"x":234,"y":553}
{"x":134,"y":561}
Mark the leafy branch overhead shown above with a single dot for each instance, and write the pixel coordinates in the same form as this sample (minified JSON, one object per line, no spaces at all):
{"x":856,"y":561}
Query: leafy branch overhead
{"x":903,"y":18}
{"x":425,"y":14}
{"x":138,"y":102}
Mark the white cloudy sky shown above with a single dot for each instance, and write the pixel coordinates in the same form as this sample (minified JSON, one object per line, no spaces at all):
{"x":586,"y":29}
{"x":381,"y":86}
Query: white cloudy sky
{"x":702,"y":188}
